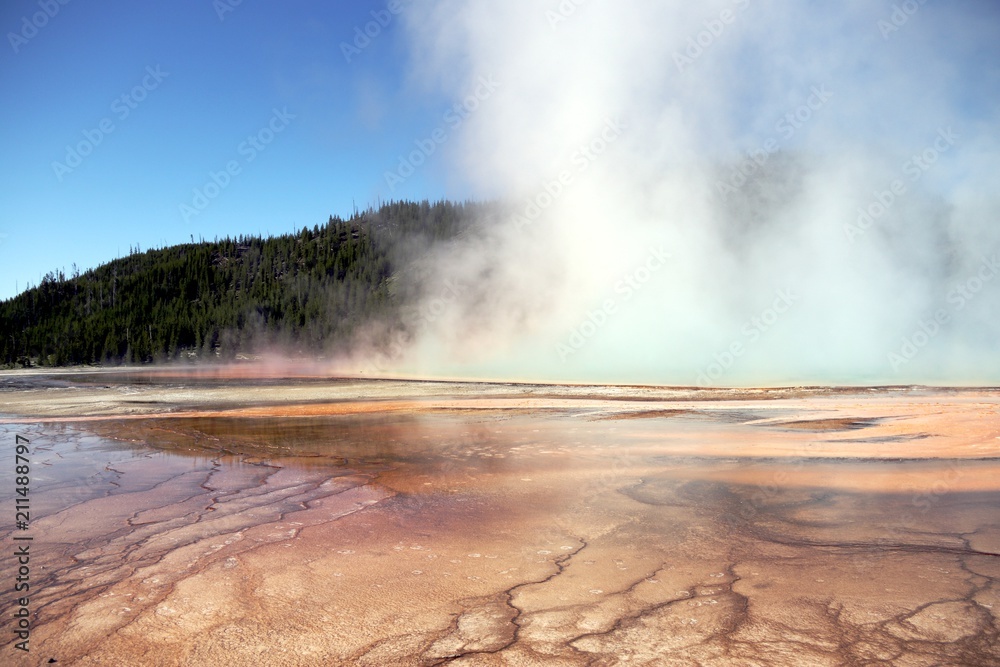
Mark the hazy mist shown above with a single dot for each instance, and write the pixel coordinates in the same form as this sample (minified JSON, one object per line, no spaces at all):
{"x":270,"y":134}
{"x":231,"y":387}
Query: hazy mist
{"x":717,"y":193}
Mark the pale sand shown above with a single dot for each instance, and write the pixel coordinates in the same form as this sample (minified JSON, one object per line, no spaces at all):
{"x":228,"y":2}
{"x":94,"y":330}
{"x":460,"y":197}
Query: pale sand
{"x":311,"y":522}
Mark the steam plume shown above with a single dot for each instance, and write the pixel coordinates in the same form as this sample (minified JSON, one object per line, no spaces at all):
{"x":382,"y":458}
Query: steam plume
{"x":821,"y":177}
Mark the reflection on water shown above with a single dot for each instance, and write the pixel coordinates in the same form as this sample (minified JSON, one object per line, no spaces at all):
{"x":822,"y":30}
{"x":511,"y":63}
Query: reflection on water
{"x":713,"y":536}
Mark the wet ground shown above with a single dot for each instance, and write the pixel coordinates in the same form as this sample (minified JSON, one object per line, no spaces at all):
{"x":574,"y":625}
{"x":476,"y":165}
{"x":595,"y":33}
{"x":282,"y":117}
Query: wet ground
{"x":196,"y":521}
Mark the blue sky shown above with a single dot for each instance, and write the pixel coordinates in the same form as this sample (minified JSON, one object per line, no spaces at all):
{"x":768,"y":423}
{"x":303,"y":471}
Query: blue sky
{"x":197,"y":85}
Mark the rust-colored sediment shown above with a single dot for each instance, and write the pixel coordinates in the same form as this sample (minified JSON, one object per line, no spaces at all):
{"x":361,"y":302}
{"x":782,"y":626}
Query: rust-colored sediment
{"x":387,"y":523}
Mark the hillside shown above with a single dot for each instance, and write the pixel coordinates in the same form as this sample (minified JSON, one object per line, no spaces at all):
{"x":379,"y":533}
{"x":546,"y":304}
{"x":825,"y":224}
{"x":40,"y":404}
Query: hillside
{"x":306,"y":293}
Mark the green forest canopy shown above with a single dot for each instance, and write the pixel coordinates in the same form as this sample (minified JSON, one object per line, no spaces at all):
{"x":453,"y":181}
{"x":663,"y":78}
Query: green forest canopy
{"x":307,"y":292}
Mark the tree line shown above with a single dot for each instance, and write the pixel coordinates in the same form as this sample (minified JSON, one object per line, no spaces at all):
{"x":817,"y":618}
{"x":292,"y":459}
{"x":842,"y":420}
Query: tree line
{"x":308,"y":292}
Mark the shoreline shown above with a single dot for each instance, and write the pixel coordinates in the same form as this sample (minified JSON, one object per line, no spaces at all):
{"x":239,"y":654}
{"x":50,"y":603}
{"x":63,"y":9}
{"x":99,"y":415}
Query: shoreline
{"x":314,"y":370}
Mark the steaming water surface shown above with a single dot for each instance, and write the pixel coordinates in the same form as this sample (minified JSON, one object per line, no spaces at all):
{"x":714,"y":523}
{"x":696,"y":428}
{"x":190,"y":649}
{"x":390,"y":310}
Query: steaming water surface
{"x":828,"y":528}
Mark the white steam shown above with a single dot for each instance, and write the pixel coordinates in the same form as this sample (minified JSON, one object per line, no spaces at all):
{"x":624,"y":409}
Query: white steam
{"x":617,"y":133}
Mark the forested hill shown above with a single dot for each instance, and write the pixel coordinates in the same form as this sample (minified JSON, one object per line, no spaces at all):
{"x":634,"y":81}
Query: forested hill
{"x":305,"y":293}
